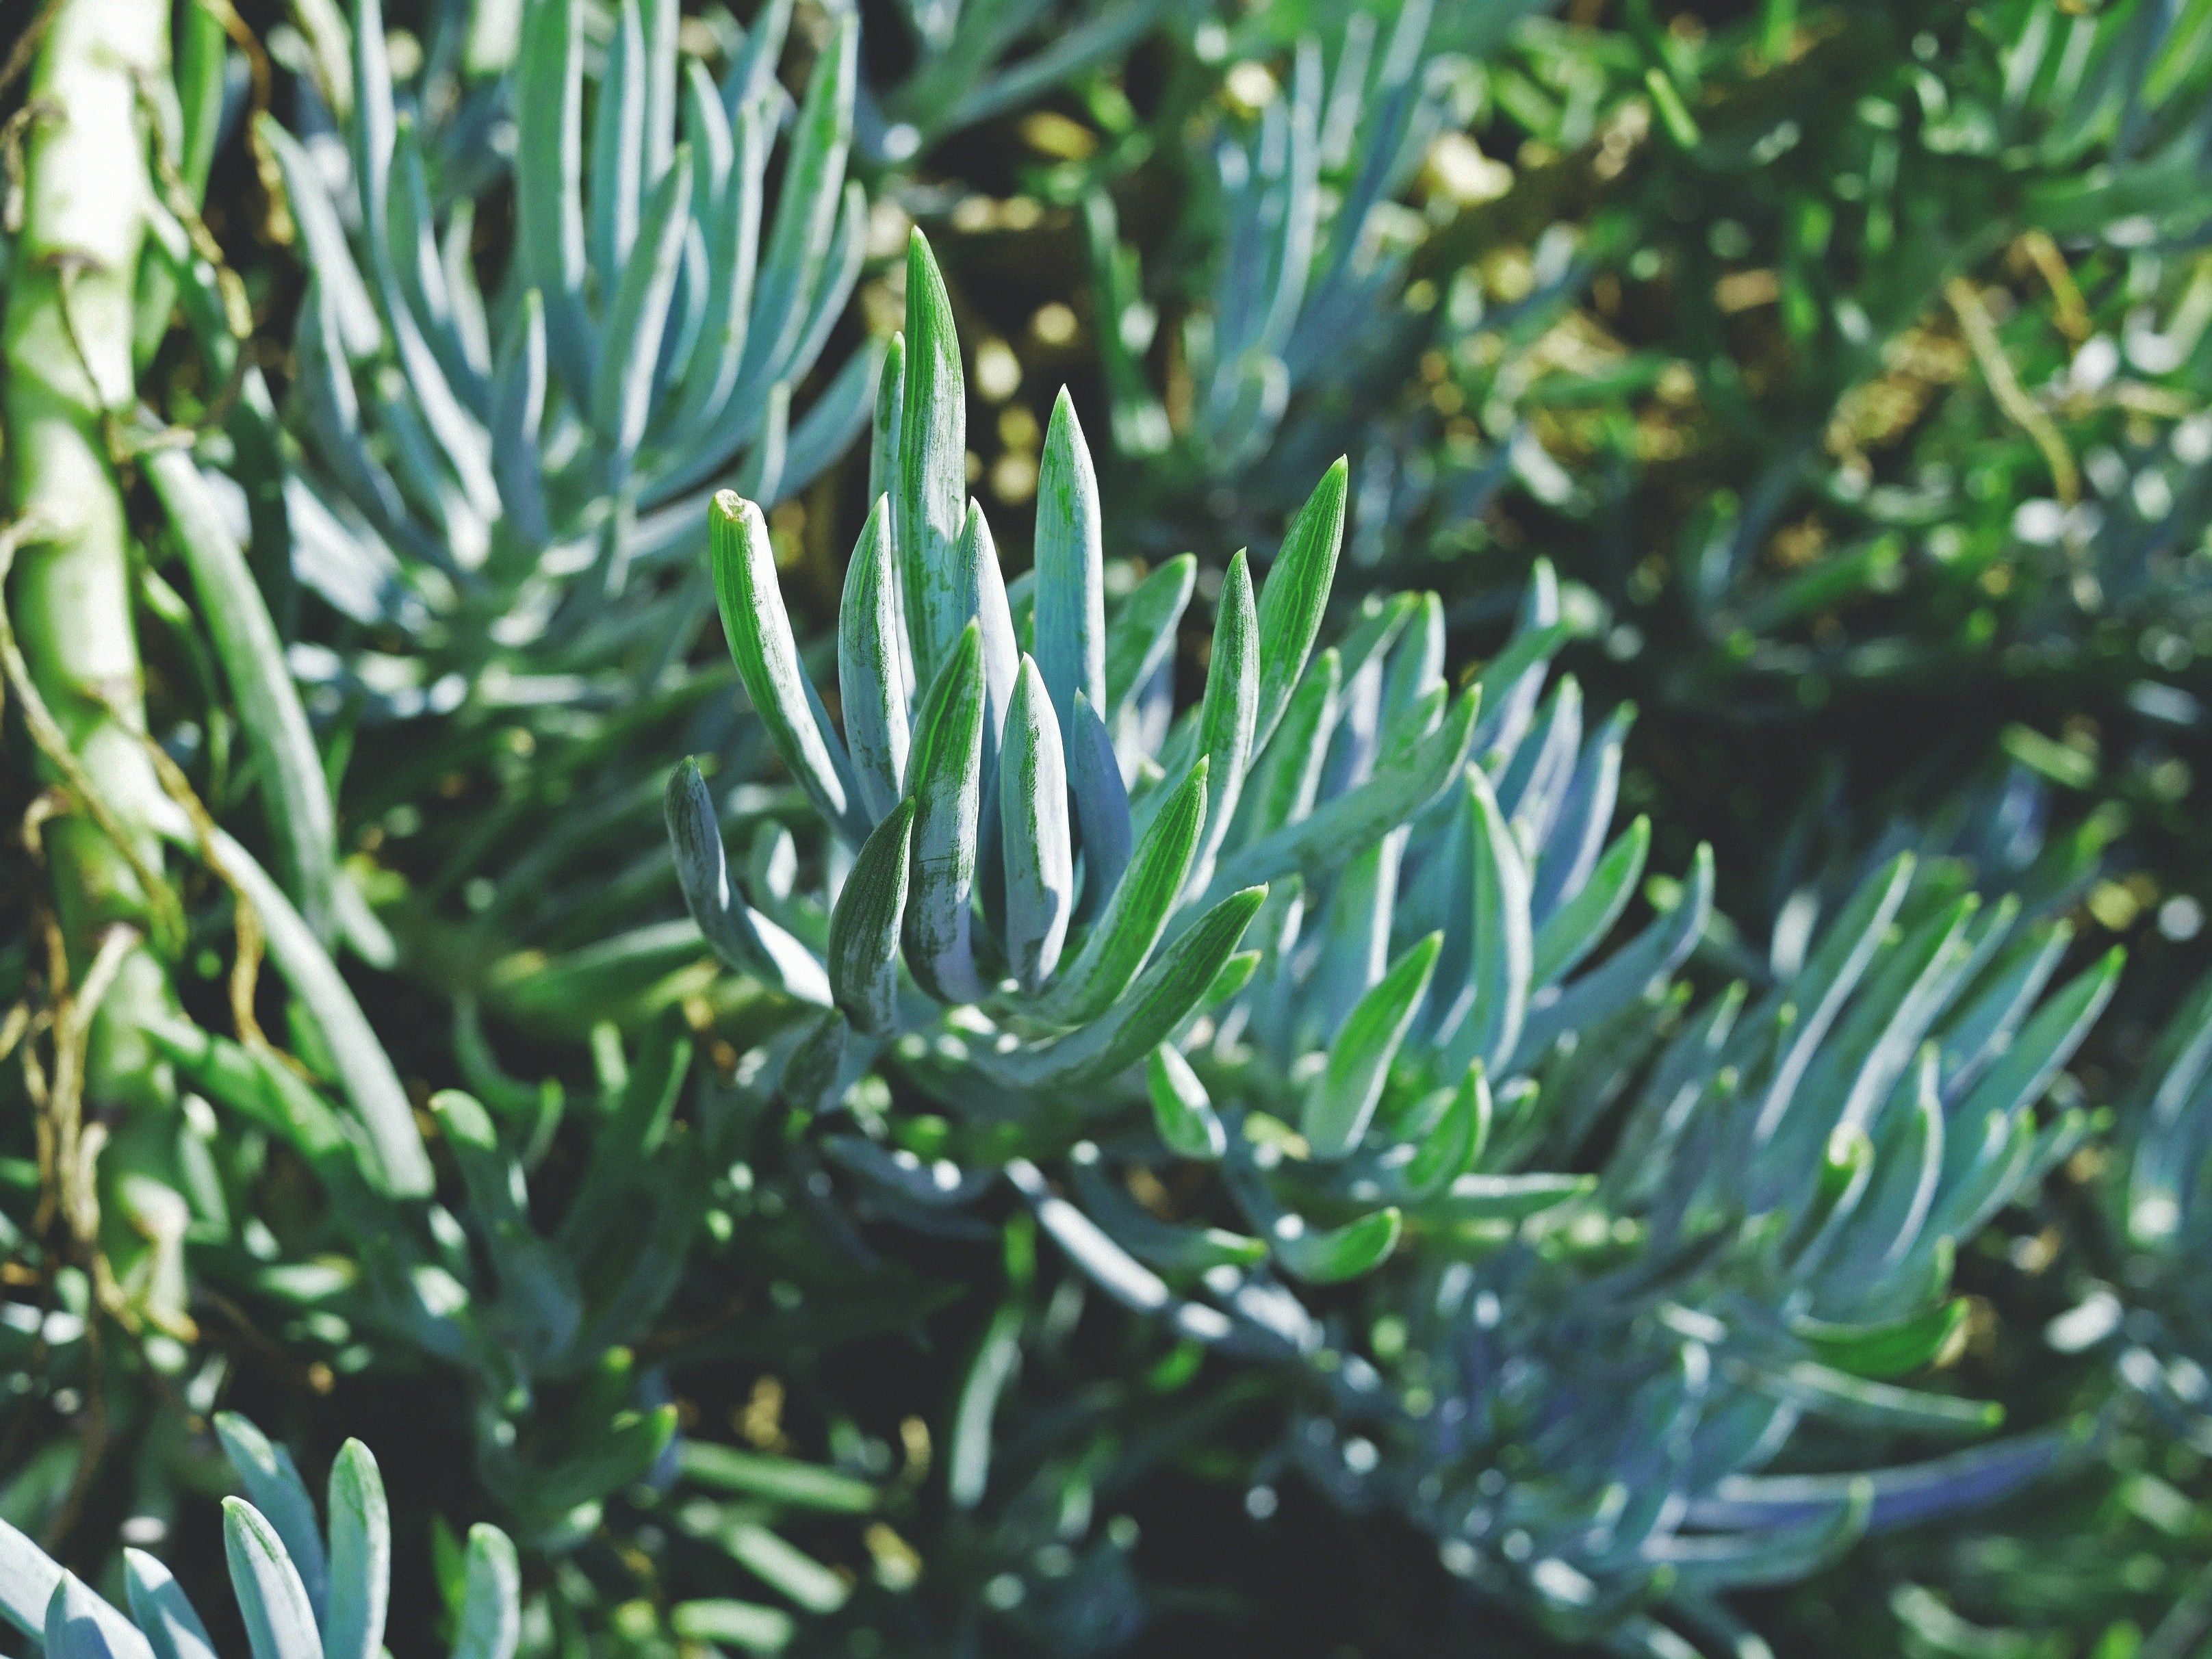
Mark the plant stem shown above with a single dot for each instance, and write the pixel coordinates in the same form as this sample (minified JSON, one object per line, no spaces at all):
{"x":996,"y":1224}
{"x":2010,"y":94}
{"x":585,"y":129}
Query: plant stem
{"x":69,"y":375}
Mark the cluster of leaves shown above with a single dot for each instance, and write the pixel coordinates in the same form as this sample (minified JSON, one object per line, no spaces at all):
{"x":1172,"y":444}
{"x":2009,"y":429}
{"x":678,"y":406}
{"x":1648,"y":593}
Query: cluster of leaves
{"x":1416,"y":1126}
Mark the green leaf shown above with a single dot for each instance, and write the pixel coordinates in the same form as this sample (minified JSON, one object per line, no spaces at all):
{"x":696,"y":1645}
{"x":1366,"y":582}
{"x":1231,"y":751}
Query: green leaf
{"x":278,"y":1493}
{"x":361,"y":1557}
{"x":1227,"y":720}
{"x":1576,"y":928}
{"x":779,"y":1480}
{"x":1296,"y":595}
{"x":1181,"y":1110}
{"x":864,"y":930}
{"x":874,"y":677}
{"x":1071,"y":577}
{"x":1142,"y":634}
{"x":1888,"y":1350}
{"x":159,"y":1604}
{"x":1138,"y":912}
{"x":622,"y":395}
{"x":280,"y":1621}
{"x":491,"y":1606}
{"x":1450,"y":1149}
{"x":767,"y":656}
{"x":295,"y":794}
{"x":1345,"y":1095}
{"x":1499,"y":978}
{"x":74,"y":1628}
{"x":1163,"y":996}
{"x":930,"y":506}
{"x":1037,"y":850}
{"x":1331,"y":1256}
{"x":946,"y":778}
{"x":1402,"y":785}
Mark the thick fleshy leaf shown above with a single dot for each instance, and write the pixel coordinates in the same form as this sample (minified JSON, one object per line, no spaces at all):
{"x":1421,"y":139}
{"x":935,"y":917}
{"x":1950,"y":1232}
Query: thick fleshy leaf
{"x":491,"y":1600}
{"x":158,"y":1602}
{"x":1295,"y":595}
{"x":274,"y":1485}
{"x":1104,"y":833}
{"x":1165,"y":994}
{"x":1228,"y":718}
{"x":1181,"y":1109}
{"x":1336,"y":1253}
{"x":946,"y":778}
{"x":1070,"y":576}
{"x":1143,"y":632}
{"x":361,"y":1557}
{"x":743,"y":938}
{"x":622,"y":395}
{"x":1137,"y":913}
{"x":280,"y":1621}
{"x":1488,"y":1024}
{"x":929,"y":508}
{"x":1037,"y":850}
{"x":1403,"y":784}
{"x":767,"y":656}
{"x":1344,"y":1097}
{"x":864,"y":930}
{"x":1576,"y":928}
{"x":873,"y":680}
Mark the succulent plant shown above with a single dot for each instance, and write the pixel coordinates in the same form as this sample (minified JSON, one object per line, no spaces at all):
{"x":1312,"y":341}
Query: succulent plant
{"x":1303,"y":238}
{"x":490,"y":462}
{"x":1412,"y":1075}
{"x":304,"y":1588}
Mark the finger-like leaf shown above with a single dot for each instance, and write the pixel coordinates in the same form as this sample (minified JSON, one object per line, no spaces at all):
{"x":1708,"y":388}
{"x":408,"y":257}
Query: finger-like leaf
{"x":1574,"y":930}
{"x":1499,"y":975}
{"x":1038,"y":853}
{"x":1103,"y":831}
{"x":278,"y":1493}
{"x":930,"y":505}
{"x":158,"y":1603}
{"x":873,"y":676}
{"x":622,"y":395}
{"x":1164,"y":995}
{"x":1138,"y":912}
{"x":1226,"y":724}
{"x":1336,"y":1253}
{"x":361,"y":1557}
{"x":491,"y":1603}
{"x":1402,"y":785}
{"x":1345,"y":1095}
{"x":280,"y":1621}
{"x":266,"y":698}
{"x":1181,"y":1110}
{"x":1070,"y":581}
{"x":1296,"y":595}
{"x":759,"y":633}
{"x":947,"y":784}
{"x":1142,"y":636}
{"x":746,"y":941}
{"x":864,"y":930}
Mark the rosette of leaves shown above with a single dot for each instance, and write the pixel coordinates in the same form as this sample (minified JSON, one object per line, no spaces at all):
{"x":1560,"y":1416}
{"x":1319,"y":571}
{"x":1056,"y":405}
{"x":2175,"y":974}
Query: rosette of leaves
{"x":536,"y":1310}
{"x":1612,"y":1412}
{"x":304,"y":1588}
{"x":1038,"y":905}
{"x":1301,"y":226}
{"x":501,"y":455}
